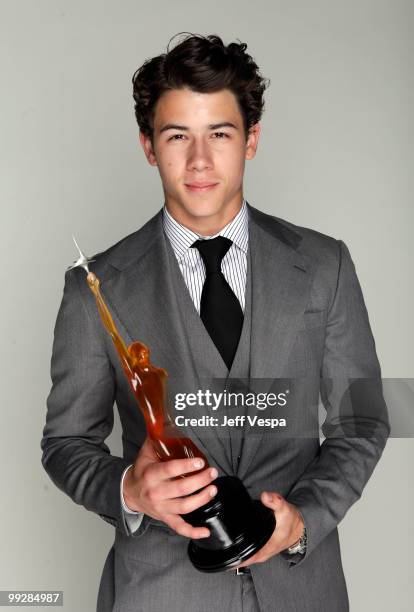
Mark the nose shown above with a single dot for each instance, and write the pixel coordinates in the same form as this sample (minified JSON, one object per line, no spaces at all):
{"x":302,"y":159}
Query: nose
{"x":199,"y":156}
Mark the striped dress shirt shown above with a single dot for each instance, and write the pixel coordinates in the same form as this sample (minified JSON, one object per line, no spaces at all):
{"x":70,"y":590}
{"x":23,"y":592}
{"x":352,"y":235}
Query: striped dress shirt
{"x":233,"y":265}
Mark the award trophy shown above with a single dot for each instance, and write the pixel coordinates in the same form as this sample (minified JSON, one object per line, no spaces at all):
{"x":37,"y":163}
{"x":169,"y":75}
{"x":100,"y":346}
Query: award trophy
{"x":239,"y":526}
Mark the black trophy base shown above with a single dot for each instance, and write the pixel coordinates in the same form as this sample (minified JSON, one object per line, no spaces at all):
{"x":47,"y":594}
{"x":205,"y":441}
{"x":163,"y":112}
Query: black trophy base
{"x":239,"y":526}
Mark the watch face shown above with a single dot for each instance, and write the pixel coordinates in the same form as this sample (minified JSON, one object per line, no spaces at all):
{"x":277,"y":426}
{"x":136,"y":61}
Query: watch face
{"x":296,"y":549}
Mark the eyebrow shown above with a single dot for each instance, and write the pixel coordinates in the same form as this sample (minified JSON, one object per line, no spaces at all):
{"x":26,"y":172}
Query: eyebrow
{"x":212,"y":126}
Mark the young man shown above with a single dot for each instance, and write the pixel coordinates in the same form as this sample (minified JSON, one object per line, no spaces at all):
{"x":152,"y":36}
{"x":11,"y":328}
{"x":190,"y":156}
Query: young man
{"x":217,"y":290}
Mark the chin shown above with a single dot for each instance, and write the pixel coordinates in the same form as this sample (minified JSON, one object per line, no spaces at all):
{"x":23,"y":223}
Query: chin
{"x":202,"y":209}
{"x":204,"y":212}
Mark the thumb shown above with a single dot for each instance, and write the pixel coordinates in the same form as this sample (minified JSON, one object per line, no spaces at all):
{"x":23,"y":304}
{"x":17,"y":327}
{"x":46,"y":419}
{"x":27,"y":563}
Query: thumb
{"x":272,"y":500}
{"x":147,"y":454}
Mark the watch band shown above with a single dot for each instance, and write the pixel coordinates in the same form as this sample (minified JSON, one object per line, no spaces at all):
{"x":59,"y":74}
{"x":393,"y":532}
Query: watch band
{"x":300,"y":546}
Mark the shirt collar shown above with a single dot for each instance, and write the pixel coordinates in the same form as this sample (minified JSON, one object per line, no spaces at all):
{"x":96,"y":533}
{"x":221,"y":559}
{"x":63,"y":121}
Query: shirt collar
{"x":182,"y":238}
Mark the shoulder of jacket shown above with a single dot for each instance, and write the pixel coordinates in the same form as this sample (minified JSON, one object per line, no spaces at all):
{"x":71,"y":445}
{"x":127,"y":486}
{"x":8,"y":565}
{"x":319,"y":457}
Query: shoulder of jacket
{"x":310,"y":243}
{"x":134,"y":244}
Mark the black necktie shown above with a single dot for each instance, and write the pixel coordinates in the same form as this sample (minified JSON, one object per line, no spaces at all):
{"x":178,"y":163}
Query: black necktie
{"x":220,"y":309}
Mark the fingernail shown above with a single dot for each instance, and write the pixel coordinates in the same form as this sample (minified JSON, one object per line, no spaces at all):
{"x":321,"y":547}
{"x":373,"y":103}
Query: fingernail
{"x":198,"y":463}
{"x":213,"y":473}
{"x":213,"y":491}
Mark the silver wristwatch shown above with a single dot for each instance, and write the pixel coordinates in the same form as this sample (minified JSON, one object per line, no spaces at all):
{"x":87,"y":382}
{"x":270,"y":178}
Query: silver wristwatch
{"x":299,"y":547}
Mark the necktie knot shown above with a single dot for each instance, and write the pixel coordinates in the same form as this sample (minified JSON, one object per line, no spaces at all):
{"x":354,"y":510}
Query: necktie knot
{"x":212,"y":252}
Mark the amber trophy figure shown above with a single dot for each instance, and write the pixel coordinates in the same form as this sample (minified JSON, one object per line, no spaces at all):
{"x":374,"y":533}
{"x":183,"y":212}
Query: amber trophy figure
{"x":239,"y":526}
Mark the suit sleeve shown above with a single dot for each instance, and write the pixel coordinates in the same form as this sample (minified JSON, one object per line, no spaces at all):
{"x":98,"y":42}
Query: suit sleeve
{"x":356,"y":427}
{"x":80,"y":411}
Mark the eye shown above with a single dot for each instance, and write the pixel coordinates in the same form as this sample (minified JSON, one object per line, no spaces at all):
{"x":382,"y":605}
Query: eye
{"x":220,"y":136}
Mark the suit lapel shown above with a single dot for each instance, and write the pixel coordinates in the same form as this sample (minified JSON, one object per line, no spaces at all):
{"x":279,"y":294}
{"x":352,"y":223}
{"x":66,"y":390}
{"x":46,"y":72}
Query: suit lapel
{"x":139,"y":292}
{"x":280,"y":290}
{"x":142,"y":298}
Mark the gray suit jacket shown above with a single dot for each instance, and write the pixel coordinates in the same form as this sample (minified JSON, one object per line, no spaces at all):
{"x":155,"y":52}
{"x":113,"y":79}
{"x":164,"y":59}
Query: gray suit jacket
{"x":309,"y":323}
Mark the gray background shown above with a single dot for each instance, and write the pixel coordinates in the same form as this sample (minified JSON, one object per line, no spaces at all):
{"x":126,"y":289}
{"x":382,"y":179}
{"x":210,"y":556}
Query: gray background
{"x":335,"y":154}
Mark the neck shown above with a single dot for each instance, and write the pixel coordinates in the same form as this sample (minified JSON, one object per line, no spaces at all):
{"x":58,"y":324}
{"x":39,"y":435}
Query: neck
{"x":208,"y":225}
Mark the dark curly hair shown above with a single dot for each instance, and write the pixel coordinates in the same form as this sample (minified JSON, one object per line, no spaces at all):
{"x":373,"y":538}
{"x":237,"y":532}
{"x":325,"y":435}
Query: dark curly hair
{"x":203,"y":64}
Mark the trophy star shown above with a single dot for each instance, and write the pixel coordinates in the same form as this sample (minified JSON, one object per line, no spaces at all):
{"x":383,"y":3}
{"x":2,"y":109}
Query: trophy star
{"x":82,"y":261}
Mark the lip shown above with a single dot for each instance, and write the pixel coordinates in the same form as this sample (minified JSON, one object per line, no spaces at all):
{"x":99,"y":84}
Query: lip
{"x":200,"y":186}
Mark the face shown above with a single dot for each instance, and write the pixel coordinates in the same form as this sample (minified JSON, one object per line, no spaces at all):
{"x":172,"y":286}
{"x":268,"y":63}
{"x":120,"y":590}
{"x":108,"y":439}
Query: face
{"x":200,"y":148}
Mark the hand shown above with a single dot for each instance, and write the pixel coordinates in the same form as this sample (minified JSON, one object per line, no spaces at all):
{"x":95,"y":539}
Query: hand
{"x":152,"y":487}
{"x":289,"y":528}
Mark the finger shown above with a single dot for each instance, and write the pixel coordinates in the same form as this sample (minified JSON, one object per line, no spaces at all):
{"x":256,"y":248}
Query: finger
{"x":147,"y":453}
{"x":244,"y":564}
{"x":262,"y":555}
{"x":257,"y":558}
{"x":190,"y":503}
{"x":187,"y":485}
{"x":185,"y":529}
{"x":248,"y":561}
{"x":272,"y":500}
{"x":267,"y":551}
{"x":160,"y":471}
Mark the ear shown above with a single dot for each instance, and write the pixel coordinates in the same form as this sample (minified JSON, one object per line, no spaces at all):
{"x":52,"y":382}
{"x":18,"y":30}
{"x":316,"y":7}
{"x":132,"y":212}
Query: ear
{"x":252,"y":140}
{"x":148,"y":148}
